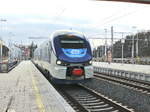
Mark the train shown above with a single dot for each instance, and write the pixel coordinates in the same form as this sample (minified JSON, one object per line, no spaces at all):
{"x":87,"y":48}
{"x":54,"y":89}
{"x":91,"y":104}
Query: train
{"x":66,"y":57}
{"x":10,"y":57}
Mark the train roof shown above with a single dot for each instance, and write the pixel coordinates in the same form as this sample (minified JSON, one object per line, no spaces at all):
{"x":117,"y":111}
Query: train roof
{"x":67,"y":32}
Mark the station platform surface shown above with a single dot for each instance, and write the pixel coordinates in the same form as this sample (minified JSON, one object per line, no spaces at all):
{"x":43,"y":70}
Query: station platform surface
{"x":25,"y":89}
{"x":127,"y":67}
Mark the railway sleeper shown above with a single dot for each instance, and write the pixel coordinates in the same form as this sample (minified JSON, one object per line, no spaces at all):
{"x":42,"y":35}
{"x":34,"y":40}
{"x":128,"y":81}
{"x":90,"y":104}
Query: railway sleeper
{"x":109,"y":109}
{"x":98,"y":107}
{"x":86,"y":99}
{"x":93,"y":101}
{"x":91,"y":104}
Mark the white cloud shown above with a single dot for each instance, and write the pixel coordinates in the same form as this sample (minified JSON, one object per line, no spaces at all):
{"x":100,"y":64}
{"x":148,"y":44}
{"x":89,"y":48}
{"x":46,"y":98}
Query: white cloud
{"x":86,"y":15}
{"x":99,"y":13}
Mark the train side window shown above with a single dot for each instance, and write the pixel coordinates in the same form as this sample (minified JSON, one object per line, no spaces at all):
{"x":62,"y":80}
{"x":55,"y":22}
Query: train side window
{"x":40,"y":54}
{"x":49,"y":51}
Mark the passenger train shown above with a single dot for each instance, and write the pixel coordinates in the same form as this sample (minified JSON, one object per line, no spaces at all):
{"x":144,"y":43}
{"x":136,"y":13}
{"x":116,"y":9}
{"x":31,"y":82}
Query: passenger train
{"x":11,"y":56}
{"x":66,"y":56}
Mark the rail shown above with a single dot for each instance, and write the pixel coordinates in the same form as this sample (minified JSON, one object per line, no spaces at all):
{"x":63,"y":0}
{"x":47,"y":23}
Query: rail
{"x":89,"y":100}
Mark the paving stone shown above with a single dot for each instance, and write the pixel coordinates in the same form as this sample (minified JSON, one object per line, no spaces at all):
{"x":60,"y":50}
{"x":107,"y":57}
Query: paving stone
{"x":25,"y":89}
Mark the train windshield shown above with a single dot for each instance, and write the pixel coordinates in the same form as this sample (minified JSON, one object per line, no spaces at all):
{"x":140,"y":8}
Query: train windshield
{"x":72,"y":42}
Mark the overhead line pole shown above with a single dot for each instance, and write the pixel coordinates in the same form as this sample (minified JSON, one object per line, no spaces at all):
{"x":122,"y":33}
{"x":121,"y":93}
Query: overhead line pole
{"x":105,"y":42}
{"x":137,"y":46}
{"x":132,"y":55}
{"x":112,"y":39}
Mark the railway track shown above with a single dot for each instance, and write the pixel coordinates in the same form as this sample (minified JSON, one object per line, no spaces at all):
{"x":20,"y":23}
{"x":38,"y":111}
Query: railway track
{"x":84,"y":99}
{"x":144,"y":87}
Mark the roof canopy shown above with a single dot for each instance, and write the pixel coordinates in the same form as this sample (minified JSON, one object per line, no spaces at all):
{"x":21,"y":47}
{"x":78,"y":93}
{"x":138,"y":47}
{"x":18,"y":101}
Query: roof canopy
{"x":132,"y":1}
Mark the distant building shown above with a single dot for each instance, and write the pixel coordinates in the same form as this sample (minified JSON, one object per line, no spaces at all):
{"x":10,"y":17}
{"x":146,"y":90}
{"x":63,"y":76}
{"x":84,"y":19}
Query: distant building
{"x":27,"y":50}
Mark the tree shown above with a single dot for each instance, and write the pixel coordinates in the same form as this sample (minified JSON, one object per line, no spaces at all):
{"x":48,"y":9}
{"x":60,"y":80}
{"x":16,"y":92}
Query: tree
{"x":32,"y":48}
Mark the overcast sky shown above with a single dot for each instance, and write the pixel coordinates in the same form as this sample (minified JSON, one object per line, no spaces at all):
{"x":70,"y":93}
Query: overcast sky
{"x":42,"y":17}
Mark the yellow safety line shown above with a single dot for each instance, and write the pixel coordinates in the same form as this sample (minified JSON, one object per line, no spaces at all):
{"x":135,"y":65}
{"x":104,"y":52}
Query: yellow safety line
{"x":38,"y":96}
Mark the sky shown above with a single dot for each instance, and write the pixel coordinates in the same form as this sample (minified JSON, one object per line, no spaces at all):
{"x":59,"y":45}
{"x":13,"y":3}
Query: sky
{"x":39,"y":18}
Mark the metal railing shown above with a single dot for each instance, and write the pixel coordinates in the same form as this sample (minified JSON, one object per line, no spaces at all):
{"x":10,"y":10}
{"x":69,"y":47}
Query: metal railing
{"x":123,"y":73}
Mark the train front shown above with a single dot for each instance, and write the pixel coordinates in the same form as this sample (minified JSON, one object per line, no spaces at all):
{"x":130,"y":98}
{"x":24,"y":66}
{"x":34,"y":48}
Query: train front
{"x":74,"y":55}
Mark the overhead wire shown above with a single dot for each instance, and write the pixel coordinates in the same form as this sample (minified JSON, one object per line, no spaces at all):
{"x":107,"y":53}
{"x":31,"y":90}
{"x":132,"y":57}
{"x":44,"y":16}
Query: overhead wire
{"x":111,"y":16}
{"x":116,"y":18}
{"x":119,"y":17}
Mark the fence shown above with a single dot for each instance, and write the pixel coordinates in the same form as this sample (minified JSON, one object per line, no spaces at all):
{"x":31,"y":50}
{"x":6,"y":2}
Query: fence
{"x":123,"y":73}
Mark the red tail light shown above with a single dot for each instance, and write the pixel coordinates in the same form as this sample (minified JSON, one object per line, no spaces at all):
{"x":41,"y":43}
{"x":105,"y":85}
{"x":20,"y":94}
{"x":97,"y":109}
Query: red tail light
{"x":77,"y":71}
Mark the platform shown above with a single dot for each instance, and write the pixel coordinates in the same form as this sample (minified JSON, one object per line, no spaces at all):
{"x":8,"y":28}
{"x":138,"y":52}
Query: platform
{"x":127,"y":67}
{"x":25,"y":89}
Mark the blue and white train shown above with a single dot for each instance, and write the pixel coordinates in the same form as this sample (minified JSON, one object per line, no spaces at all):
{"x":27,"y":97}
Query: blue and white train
{"x":67,"y":56}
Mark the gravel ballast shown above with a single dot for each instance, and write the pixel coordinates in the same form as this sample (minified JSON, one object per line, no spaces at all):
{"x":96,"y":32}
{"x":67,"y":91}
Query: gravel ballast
{"x":140,"y":102}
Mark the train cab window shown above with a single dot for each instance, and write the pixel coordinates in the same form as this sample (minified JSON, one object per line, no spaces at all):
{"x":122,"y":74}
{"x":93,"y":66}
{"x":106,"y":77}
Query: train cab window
{"x":72,"y":42}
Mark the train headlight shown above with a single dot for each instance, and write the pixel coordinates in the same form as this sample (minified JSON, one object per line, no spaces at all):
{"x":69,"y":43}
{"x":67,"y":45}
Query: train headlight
{"x":90,"y":62}
{"x":58,"y":62}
